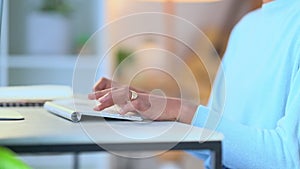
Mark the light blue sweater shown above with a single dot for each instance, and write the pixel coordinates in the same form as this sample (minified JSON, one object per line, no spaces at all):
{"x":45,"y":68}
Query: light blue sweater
{"x":259,"y":114}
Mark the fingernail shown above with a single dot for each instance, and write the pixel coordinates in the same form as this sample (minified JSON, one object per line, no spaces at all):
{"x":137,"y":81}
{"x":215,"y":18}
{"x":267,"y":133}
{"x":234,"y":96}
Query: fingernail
{"x":91,"y":96}
{"x":103,"y":98}
{"x":97,"y":108}
{"x":122,"y":112}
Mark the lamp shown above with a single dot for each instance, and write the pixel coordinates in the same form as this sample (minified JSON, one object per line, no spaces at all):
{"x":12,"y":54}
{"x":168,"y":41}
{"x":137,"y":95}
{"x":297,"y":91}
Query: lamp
{"x":169,"y":8}
{"x":182,"y":0}
{"x":169,"y":4}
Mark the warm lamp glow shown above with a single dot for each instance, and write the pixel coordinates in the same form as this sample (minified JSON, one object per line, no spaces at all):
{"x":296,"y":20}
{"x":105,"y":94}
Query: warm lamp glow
{"x":169,"y":8}
{"x":183,"y":1}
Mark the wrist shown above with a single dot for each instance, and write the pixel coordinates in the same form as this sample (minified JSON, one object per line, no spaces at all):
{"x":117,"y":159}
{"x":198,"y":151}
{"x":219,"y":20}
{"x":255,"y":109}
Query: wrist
{"x":186,"y":112}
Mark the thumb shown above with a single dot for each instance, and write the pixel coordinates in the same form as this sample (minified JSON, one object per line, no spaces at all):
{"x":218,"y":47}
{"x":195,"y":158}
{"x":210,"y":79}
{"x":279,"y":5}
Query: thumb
{"x":127,"y":108}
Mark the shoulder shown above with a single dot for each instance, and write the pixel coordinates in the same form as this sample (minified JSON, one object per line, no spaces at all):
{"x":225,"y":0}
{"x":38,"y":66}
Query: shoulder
{"x":293,"y":24}
{"x":248,"y":19}
{"x":293,"y":12}
{"x":246,"y":23}
{"x":295,"y":7}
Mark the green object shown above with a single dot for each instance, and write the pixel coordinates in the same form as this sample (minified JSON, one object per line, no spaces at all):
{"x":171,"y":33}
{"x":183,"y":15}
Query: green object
{"x":8,"y":160}
{"x":59,"y":6}
{"x":122,"y":54}
{"x":81,"y":41}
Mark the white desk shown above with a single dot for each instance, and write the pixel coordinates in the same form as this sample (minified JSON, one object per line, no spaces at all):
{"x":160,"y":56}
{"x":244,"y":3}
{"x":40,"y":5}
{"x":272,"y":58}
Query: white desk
{"x":42,"y":131}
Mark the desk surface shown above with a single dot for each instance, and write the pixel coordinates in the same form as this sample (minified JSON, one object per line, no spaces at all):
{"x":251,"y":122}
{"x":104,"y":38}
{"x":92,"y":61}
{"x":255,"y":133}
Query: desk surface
{"x":42,"y":127}
{"x":42,"y":131}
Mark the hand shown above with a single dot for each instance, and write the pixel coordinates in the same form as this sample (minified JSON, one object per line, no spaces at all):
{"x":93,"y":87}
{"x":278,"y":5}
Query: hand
{"x":150,"y":106}
{"x":104,"y":83}
{"x":108,"y":93}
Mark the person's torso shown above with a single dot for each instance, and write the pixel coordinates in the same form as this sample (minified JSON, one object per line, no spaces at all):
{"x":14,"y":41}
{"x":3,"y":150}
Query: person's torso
{"x":260,"y":63}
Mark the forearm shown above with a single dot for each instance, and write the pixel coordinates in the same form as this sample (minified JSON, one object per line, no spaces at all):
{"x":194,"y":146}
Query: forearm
{"x":156,"y":107}
{"x":251,"y":147}
{"x":183,"y":110}
{"x":259,"y":148}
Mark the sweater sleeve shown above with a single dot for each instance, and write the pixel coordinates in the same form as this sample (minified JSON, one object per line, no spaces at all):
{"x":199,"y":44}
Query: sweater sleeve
{"x":249,"y":147}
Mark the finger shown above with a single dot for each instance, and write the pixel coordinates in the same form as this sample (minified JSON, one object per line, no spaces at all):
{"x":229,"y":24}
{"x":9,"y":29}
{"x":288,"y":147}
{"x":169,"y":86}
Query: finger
{"x":127,"y":108}
{"x":120,"y":96}
{"x":101,"y":84}
{"x":113,"y":96}
{"x":98,"y":94}
{"x":104,"y":102}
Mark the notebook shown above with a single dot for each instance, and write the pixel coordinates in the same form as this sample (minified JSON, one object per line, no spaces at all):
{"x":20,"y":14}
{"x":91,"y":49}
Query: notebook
{"x":73,"y":110}
{"x":32,"y":95}
{"x":28,"y":96}
{"x":8,"y":114}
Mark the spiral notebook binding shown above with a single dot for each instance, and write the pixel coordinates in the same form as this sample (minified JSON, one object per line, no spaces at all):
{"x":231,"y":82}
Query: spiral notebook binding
{"x":22,"y":104}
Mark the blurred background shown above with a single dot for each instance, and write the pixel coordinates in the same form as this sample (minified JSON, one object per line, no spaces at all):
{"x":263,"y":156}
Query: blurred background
{"x":42,"y":39}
